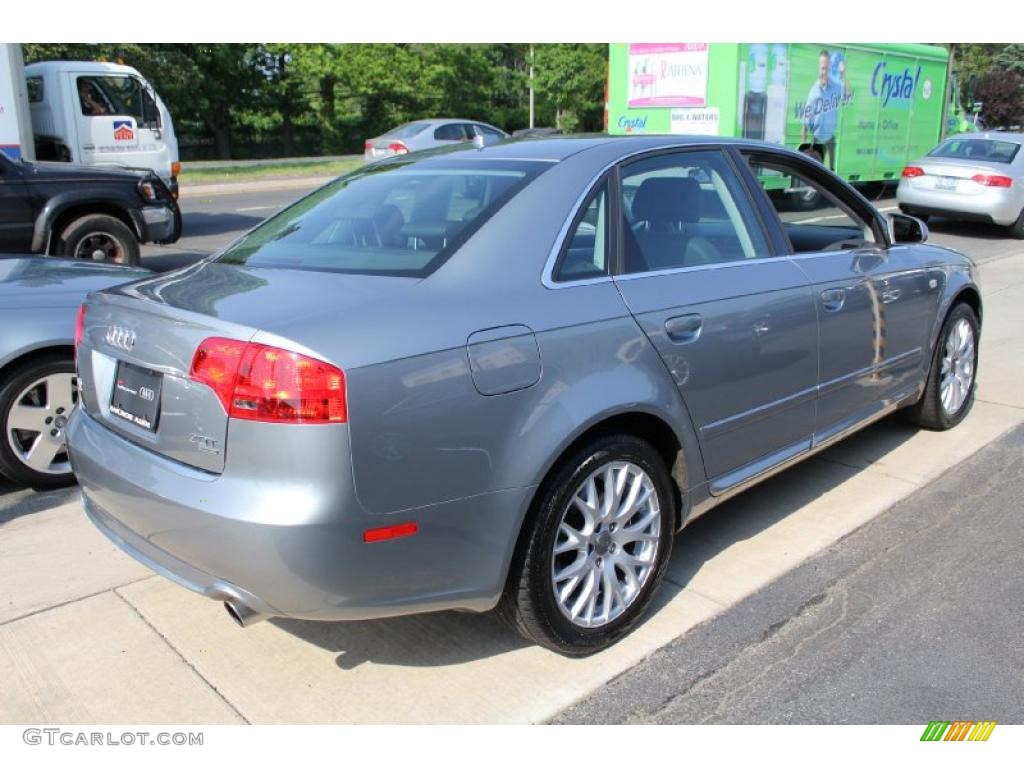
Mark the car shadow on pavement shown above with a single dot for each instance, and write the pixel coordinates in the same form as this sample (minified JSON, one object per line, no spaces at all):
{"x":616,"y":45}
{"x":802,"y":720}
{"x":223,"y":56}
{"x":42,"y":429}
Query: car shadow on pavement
{"x":425,"y":640}
{"x":449,"y":638}
{"x":19,"y":500}
{"x":973,"y":229}
{"x":773,"y":500}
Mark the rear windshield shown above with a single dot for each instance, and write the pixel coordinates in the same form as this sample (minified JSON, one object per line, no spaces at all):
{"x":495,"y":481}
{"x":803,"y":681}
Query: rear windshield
{"x":990,"y":150}
{"x":406,"y":131}
{"x":402,"y":219}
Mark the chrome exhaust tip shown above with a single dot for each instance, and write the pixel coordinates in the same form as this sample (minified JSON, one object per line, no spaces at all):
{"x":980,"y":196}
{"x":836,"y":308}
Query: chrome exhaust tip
{"x":241,"y":614}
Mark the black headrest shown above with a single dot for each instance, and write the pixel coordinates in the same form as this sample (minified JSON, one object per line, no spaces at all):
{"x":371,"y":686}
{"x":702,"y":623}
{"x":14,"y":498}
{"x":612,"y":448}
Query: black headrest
{"x":664,"y":199}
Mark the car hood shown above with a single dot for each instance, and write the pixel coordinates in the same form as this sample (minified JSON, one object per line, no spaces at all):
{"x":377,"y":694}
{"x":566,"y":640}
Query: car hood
{"x":50,"y":172}
{"x":34,"y":281}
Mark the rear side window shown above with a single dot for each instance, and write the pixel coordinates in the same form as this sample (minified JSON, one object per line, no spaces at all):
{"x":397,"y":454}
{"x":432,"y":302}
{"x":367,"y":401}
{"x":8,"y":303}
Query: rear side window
{"x":587,"y":252}
{"x":990,"y":150}
{"x":399,"y":219}
{"x":406,"y":131}
{"x":686,"y":209}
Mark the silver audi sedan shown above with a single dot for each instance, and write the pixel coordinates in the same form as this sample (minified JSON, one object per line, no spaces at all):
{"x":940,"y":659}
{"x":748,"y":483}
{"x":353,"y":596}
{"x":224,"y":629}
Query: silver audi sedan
{"x":505,"y":377}
{"x":969,"y":177}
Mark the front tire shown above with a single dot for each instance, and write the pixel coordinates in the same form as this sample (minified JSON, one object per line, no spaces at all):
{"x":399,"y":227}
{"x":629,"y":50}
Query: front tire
{"x":35,"y":403}
{"x":596,"y":548}
{"x":949,"y":392}
{"x":101,"y":238}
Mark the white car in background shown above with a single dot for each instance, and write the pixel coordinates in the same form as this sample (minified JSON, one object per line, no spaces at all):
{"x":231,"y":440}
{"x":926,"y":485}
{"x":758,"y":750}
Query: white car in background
{"x":969,"y":177}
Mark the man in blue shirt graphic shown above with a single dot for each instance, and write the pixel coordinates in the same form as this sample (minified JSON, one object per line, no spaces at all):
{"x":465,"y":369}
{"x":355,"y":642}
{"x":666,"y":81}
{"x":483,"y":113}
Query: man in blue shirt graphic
{"x":821,"y":113}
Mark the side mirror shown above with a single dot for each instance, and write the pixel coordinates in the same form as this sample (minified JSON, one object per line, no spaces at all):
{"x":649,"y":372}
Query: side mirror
{"x":906,"y":229}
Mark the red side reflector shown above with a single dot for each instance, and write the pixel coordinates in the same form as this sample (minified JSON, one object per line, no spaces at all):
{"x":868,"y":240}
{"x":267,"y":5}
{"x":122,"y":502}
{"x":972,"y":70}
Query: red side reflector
{"x":79,"y":329}
{"x":390,"y":532}
{"x":912,"y":172}
{"x":992,"y":180}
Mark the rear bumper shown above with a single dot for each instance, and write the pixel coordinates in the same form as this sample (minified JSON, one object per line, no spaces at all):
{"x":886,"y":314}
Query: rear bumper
{"x":289,"y":546}
{"x":994,"y":206}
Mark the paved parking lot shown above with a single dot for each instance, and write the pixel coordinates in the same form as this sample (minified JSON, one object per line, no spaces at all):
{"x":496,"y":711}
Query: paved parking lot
{"x":89,"y":636}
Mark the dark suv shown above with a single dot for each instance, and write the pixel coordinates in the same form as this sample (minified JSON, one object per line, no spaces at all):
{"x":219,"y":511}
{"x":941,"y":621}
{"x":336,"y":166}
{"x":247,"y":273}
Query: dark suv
{"x":83,"y":212}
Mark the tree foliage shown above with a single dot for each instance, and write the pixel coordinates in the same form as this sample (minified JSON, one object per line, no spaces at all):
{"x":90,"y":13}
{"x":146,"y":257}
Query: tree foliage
{"x":285,"y":99}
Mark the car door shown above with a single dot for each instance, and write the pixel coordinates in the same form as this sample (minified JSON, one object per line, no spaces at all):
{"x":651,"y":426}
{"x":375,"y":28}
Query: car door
{"x":734,"y":324}
{"x":874,"y":301}
{"x":117,"y":121}
{"x":16,"y":219}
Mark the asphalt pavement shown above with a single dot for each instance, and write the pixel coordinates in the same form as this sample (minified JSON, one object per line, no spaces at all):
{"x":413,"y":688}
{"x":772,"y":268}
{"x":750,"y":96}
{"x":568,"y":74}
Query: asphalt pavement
{"x":917,"y":616}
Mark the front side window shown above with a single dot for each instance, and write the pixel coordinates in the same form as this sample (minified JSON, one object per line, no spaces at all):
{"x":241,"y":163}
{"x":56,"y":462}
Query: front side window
{"x":686,"y":209}
{"x":586,"y":253}
{"x":396,"y":219}
{"x":812,"y":215}
{"x":35,"y":89}
{"x":117,"y":95}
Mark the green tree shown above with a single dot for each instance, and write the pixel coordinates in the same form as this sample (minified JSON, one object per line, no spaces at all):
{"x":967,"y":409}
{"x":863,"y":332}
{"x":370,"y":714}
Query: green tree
{"x":571,"y":78}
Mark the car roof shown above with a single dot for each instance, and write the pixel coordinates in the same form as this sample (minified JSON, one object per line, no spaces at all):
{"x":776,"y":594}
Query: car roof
{"x":557,"y":148}
{"x":1013,"y":136}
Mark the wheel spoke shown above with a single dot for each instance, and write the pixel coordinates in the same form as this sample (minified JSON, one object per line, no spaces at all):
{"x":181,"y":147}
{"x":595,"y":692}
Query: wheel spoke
{"x":42,"y":453}
{"x":30,"y":417}
{"x":628,"y":511}
{"x":573,"y":540}
{"x":60,"y":391}
{"x":607,"y":597}
{"x":575,"y":568}
{"x":586,"y":595}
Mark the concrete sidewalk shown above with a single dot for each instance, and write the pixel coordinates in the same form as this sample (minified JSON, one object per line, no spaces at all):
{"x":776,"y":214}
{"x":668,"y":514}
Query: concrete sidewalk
{"x":88,"y":636}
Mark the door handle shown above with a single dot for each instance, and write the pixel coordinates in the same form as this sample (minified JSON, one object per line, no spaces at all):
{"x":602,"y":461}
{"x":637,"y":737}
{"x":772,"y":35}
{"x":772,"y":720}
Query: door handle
{"x":890,"y":295}
{"x":833,"y":299}
{"x":684,"y":329}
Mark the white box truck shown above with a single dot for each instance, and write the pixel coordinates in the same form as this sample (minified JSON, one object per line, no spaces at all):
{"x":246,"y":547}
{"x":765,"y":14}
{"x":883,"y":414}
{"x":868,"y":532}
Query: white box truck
{"x":86,"y":112}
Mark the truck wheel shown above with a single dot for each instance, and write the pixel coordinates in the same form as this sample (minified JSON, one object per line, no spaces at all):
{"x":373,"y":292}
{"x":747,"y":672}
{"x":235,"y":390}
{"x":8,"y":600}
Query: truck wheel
{"x":101,"y":238}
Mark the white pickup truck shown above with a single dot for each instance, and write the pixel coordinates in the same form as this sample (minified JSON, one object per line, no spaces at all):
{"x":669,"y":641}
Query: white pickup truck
{"x":88,"y":113}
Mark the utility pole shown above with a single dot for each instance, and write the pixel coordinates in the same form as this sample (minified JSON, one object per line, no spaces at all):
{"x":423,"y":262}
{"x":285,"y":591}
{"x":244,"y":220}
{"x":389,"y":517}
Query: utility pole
{"x":531,"y":85}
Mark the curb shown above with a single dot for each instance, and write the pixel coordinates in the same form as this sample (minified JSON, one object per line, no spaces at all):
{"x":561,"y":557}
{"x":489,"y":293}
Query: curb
{"x":241,"y":187}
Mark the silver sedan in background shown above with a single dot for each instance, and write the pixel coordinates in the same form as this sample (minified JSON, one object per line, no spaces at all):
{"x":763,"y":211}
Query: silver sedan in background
{"x":505,"y":376}
{"x":969,"y":177}
{"x":429,"y":134}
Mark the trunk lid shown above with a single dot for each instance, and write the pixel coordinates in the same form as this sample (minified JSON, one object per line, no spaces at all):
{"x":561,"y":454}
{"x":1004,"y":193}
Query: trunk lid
{"x":158,"y":324}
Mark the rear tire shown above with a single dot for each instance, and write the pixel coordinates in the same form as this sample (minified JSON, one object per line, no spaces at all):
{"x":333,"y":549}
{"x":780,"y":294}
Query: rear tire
{"x":101,"y":238}
{"x":947,"y":397}
{"x":568,"y":589}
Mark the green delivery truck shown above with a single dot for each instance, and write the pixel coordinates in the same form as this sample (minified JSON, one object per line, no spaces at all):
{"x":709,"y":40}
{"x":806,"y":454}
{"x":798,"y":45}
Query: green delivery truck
{"x":864,"y":110}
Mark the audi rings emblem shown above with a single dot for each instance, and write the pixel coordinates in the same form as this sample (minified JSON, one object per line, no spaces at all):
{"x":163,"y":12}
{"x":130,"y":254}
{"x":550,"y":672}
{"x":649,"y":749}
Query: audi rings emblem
{"x":119,"y":337}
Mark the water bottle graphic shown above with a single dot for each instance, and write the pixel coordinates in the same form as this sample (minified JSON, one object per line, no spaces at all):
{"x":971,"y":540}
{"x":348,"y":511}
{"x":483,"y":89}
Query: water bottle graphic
{"x":755,"y":99}
{"x":777,"y":95}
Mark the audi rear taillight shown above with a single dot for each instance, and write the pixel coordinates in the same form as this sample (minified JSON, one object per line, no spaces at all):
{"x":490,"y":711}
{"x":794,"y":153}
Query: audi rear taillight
{"x":912,"y":172}
{"x":79,"y":330}
{"x":398,"y":148}
{"x":262,"y":383}
{"x":992,"y":180}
